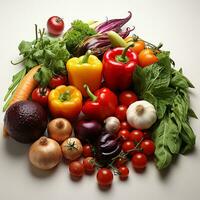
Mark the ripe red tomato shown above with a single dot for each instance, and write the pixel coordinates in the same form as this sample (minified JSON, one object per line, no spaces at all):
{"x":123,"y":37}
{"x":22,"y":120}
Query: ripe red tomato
{"x":121,"y":161}
{"x":139,"y":161}
{"x":124,"y":134}
{"x":125,"y":125}
{"x":89,"y":165}
{"x":127,"y":97}
{"x":136,"y":135}
{"x":55,"y":25}
{"x":120,"y":112}
{"x":127,"y":146}
{"x":76,"y":169}
{"x":87,"y":150}
{"x":104,"y":177}
{"x":40,"y":95}
{"x":148,"y":147}
{"x":57,"y":80}
{"x":123,"y":172}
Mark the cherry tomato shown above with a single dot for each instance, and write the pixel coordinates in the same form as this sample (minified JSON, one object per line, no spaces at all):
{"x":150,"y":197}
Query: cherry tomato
{"x":120,"y":112}
{"x":87,"y":150}
{"x":124,"y":134}
{"x":76,"y":169}
{"x":127,"y":97}
{"x":125,"y":125}
{"x":57,"y":80}
{"x":104,"y":177}
{"x":139,"y":161}
{"x":127,"y":146}
{"x":40,"y":95}
{"x":121,"y":161}
{"x":89,"y":165}
{"x":147,"y":57}
{"x":136,"y":135}
{"x":138,"y":46}
{"x":148,"y":147}
{"x":123,"y":172}
{"x":55,"y":25}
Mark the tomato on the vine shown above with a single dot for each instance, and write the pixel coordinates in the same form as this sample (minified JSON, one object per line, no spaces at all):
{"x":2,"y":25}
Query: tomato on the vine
{"x":148,"y":147}
{"x":139,"y":161}
{"x":120,"y":113}
{"x":136,"y":135}
{"x":147,"y":57}
{"x":87,"y":150}
{"x":40,"y":95}
{"x":127,"y":146}
{"x":57,"y":80}
{"x":55,"y":25}
{"x":121,"y":161}
{"x":76,"y":169}
{"x":124,"y":134}
{"x":123,"y":172}
{"x":104,"y":177}
{"x":125,"y":125}
{"x":127,"y":97}
{"x":89,"y":165}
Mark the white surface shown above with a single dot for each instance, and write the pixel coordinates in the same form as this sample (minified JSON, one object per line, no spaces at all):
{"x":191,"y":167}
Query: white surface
{"x":176,"y":23}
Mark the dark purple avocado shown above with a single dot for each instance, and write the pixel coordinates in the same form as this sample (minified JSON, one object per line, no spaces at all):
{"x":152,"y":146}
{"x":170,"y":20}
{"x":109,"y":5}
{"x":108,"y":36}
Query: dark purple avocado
{"x":25,"y":121}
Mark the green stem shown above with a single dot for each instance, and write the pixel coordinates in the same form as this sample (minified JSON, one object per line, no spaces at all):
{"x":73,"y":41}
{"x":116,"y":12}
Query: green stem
{"x":36,"y":33}
{"x":90,"y":94}
{"x":86,"y":56}
{"x":65,"y":96}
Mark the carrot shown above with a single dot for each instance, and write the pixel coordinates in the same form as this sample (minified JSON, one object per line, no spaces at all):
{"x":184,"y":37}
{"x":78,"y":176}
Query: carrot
{"x":25,"y":87}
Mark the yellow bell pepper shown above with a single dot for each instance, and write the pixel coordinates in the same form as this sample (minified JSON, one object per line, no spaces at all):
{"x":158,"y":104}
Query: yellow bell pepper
{"x":86,"y":69}
{"x":65,"y":101}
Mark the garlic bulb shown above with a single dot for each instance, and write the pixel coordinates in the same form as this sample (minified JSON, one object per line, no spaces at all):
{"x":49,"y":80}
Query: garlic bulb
{"x":141,"y":115}
{"x":112,"y":124}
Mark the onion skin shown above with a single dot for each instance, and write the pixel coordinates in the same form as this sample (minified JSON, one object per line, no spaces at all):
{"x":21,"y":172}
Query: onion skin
{"x":45,"y":153}
{"x":59,"y":129}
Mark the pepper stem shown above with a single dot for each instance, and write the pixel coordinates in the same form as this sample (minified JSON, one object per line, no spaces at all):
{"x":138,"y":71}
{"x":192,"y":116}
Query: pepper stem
{"x":90,"y":94}
{"x":65,"y":96}
{"x":123,"y":58}
{"x":86,"y":56}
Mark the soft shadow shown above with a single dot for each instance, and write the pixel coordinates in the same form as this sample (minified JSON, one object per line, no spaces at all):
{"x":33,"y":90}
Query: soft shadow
{"x":105,"y":188}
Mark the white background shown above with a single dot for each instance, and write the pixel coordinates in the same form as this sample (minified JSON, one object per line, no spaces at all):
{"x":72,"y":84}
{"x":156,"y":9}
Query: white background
{"x":176,"y":23}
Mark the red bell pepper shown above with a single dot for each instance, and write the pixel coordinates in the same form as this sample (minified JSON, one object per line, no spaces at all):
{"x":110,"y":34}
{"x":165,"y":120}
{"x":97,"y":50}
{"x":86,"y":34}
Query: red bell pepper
{"x":119,"y":65}
{"x":103,"y":104}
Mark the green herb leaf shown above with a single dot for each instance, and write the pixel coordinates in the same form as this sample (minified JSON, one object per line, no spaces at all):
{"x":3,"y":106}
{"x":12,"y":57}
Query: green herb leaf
{"x":25,"y":47}
{"x":191,"y":113}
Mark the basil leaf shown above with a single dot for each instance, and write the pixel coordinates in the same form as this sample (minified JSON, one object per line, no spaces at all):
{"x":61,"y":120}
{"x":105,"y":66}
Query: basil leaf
{"x":24,"y":47}
{"x":191,"y":113}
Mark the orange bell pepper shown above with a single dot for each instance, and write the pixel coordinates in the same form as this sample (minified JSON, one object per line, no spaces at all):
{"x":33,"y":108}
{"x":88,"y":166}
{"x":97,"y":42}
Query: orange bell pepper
{"x":65,"y":101}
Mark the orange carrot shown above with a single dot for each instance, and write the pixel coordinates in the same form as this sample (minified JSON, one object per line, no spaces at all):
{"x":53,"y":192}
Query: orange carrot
{"x":25,"y":87}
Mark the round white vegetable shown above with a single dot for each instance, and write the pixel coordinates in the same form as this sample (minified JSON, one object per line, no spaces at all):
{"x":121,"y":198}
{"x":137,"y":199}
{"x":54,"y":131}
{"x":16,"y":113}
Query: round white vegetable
{"x":141,"y":115}
{"x":112,"y":124}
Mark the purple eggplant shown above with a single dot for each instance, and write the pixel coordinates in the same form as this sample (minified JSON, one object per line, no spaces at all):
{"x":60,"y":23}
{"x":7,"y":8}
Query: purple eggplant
{"x":88,"y":131}
{"x":108,"y":146}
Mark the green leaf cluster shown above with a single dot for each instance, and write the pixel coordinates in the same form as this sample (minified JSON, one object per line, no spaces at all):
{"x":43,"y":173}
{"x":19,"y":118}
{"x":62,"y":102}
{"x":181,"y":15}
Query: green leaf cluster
{"x":167,"y":89}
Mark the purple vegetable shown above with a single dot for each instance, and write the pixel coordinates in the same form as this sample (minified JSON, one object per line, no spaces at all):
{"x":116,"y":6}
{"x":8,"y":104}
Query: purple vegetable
{"x":88,"y":131}
{"x":113,"y":24}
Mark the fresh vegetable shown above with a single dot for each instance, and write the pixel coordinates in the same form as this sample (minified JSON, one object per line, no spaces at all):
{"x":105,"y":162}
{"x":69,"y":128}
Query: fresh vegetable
{"x":25,"y":121}
{"x":40,"y":95}
{"x":103,"y":104}
{"x":57,"y":80}
{"x":146,"y":57}
{"x":116,"y":40}
{"x":55,"y":25}
{"x":72,"y":148}
{"x":108,"y":146}
{"x":104,"y":177}
{"x":148,"y":147}
{"x":25,"y":85}
{"x":86,"y":69}
{"x":45,"y":153}
{"x":89,"y":165}
{"x":120,"y":112}
{"x":139,"y":45}
{"x":127,"y":97}
{"x":124,"y":134}
{"x":119,"y":64}
{"x":76,"y":169}
{"x":128,"y":146}
{"x":87,"y":150}
{"x":65,"y":101}
{"x":123,"y":172}
{"x":59,"y":129}
{"x":136,"y":135}
{"x":125,"y":125}
{"x":141,"y":115}
{"x":121,"y":161}
{"x":139,"y":161}
{"x":167,"y":89}
{"x":112,"y":124}
{"x":88,"y":131}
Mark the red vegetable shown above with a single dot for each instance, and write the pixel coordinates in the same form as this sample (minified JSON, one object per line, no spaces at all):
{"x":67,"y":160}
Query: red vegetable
{"x":87,"y":150}
{"x":124,"y":134}
{"x":57,"y":80}
{"x":136,"y":135}
{"x":127,"y":146}
{"x":123,"y":172}
{"x":125,"y":125}
{"x":76,"y":169}
{"x":104,"y":177}
{"x":40,"y":95}
{"x":148,"y":147}
{"x":127,"y":97}
{"x":103,"y":104}
{"x":118,"y":67}
{"x":139,"y":161}
{"x":55,"y":25}
{"x":120,"y":113}
{"x":89,"y":165}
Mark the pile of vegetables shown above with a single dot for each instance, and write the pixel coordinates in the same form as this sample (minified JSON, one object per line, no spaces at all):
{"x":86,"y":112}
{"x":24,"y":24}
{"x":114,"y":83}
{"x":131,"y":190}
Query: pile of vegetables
{"x":121,"y":99}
